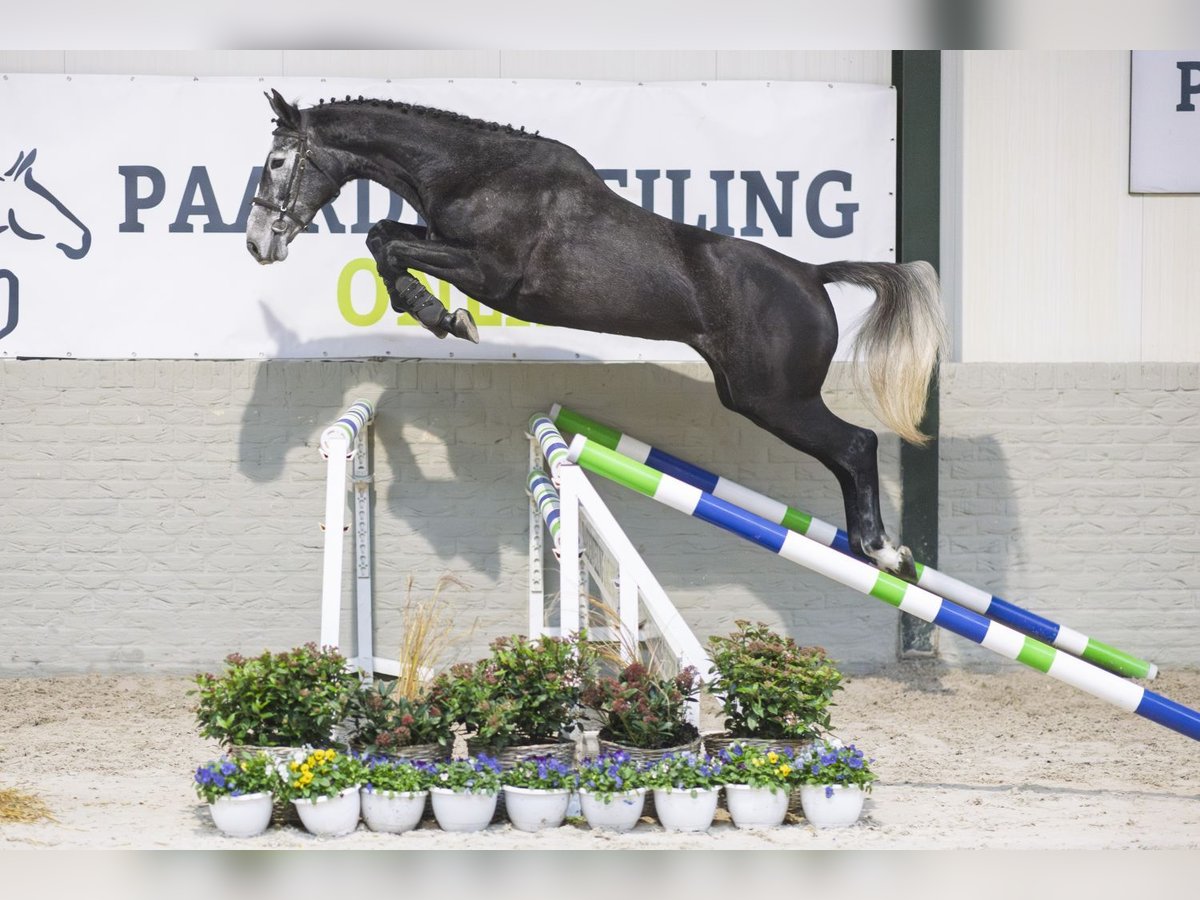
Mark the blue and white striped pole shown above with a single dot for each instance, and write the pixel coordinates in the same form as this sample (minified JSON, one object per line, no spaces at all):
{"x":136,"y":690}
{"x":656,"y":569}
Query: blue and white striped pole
{"x":1060,"y":636}
{"x":545,"y":498}
{"x":866,"y":579}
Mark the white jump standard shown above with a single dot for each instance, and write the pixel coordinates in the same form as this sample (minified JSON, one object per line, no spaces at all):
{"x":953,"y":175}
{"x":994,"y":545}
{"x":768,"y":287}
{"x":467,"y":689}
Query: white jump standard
{"x":866,"y":579}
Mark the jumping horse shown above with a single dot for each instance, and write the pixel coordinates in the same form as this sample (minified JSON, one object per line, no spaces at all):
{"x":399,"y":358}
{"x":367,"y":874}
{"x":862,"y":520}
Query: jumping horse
{"x":524,"y":224}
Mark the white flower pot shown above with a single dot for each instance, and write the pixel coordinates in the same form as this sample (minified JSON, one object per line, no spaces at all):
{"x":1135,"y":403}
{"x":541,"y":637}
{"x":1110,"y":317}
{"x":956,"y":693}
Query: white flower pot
{"x":756,"y":807}
{"x":330,"y":816}
{"x":462,"y":810}
{"x":393,"y":812}
{"x":840,"y":809}
{"x":532,"y":809}
{"x":243,"y":816}
{"x":684,"y":809}
{"x":619,"y":813}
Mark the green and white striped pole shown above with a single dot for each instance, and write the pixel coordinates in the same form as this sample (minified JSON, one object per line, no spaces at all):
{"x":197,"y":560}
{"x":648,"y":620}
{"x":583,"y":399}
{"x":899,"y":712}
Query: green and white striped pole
{"x":1045,"y":630}
{"x":863,"y":577}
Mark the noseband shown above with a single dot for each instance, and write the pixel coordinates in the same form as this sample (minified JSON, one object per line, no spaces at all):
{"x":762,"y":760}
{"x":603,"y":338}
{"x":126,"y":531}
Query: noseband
{"x":304,"y":158}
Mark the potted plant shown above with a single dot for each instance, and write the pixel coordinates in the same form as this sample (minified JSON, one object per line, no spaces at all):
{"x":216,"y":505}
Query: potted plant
{"x":772,"y":691}
{"x":640,"y":711}
{"x":239,"y":793}
{"x":686,"y":789}
{"x":520,"y":700}
{"x":323,"y":785}
{"x":279,"y":701}
{"x":537,"y":791}
{"x":759,"y":783}
{"x":393,"y":797}
{"x":835,"y":782}
{"x":379,"y":721}
{"x":464,"y":791}
{"x":612,"y":791}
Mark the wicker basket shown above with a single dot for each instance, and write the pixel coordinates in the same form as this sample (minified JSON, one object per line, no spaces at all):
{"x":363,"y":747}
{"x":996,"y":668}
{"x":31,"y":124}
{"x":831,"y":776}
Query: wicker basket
{"x":715,"y":743}
{"x":643,"y":756}
{"x":426,"y":753}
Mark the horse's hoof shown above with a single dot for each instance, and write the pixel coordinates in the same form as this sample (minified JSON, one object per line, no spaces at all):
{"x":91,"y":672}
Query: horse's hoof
{"x":462,"y":325}
{"x":907,"y":566}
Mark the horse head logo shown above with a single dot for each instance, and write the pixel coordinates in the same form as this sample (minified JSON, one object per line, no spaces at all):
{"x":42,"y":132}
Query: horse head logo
{"x":29,"y":211}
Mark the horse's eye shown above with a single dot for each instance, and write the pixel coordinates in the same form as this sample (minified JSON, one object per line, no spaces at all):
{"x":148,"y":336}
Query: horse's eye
{"x":276,"y":163}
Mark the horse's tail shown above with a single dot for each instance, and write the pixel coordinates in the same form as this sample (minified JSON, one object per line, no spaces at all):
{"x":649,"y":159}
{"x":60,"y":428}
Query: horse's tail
{"x":899,"y":340}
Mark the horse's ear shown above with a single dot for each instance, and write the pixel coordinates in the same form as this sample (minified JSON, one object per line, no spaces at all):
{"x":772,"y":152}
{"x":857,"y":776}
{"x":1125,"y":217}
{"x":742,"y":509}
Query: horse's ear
{"x":23,"y":164}
{"x":288,"y":115}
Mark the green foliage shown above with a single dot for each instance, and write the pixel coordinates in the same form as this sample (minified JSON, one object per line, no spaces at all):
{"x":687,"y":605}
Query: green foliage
{"x":475,"y":775}
{"x":642,"y":710}
{"x":381,"y":720}
{"x":287,"y":699}
{"x":228,"y":777}
{"x":322,"y":773}
{"x":831,"y":766}
{"x":399,"y":776}
{"x":761,"y":767}
{"x":609,"y":774}
{"x":526,"y":692}
{"x":769,"y":686}
{"x":685,"y":772}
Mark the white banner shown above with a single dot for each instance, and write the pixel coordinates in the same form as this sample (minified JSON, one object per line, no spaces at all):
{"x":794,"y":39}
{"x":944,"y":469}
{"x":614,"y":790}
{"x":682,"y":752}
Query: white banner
{"x":123,"y":203}
{"x":1164,"y":122}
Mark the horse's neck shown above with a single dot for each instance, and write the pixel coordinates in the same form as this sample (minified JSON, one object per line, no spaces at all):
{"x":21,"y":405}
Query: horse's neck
{"x":398,"y":150}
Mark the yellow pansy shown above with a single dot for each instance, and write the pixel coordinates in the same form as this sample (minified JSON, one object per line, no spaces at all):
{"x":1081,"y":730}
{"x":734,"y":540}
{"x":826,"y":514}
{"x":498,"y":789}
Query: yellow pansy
{"x":772,"y":757}
{"x":294,"y":766}
{"x":785,"y":770}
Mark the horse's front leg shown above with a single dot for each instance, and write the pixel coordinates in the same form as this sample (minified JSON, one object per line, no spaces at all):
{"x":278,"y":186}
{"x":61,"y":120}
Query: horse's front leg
{"x":408,"y":295}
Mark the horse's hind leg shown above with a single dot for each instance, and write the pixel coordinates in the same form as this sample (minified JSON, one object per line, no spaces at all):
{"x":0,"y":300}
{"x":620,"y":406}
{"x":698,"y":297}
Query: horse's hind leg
{"x":850,"y":453}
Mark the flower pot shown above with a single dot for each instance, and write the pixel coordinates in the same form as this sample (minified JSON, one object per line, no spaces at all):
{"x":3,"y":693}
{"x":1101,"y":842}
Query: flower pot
{"x":642,"y":756}
{"x":330,"y":816}
{"x":714,"y":743}
{"x":684,"y":809}
{"x":532,"y":809}
{"x":840,"y":808}
{"x":507,"y":757}
{"x":462,"y":810}
{"x":393,"y":812}
{"x":243,"y":816}
{"x":756,"y":807}
{"x":618,"y":813}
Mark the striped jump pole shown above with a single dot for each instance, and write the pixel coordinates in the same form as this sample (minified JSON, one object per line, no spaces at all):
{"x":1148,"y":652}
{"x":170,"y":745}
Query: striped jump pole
{"x":931,"y":579}
{"x":863,"y":577}
{"x":545,"y":498}
{"x":552,"y":445}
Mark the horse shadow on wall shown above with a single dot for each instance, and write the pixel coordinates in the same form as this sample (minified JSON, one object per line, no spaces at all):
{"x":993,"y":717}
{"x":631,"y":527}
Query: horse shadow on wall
{"x":451,"y":458}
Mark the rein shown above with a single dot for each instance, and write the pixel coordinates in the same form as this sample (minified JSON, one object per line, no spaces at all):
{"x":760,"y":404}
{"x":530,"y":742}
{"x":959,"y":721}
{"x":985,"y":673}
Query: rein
{"x":304,"y":157}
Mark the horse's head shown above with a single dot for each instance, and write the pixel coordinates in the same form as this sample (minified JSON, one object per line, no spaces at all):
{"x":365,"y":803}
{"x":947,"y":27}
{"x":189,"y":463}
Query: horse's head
{"x":299,"y":177}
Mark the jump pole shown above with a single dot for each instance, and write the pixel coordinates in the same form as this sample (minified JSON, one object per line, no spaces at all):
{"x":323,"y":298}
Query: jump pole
{"x":866,"y":579}
{"x":974,"y":599}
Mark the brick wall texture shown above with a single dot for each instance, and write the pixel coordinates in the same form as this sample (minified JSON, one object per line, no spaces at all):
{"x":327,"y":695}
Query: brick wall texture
{"x":155,"y":516}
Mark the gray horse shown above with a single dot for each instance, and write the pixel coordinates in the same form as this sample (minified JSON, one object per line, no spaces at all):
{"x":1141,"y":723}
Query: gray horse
{"x":524,"y":224}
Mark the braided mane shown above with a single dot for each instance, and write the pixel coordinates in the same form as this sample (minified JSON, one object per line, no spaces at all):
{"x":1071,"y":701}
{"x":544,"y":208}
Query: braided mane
{"x":430,"y":111}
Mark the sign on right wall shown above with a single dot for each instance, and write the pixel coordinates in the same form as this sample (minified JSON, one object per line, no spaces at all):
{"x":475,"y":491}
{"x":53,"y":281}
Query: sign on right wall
{"x":1164,"y":122}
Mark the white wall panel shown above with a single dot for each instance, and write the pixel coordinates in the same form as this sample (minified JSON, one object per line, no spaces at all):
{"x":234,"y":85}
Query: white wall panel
{"x":860,"y":66}
{"x":52,"y":61}
{"x":174,"y":62}
{"x":1047,"y":215}
{"x":610,"y":65}
{"x":1171,"y":278}
{"x":393,"y":63}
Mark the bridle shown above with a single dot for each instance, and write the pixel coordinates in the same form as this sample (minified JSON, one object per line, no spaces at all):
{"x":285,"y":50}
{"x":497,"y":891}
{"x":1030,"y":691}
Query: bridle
{"x":304,"y":157}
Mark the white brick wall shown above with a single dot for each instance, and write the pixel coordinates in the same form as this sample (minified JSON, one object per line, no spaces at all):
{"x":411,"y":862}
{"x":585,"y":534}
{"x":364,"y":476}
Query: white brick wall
{"x":158,"y":515}
{"x":1072,"y":490}
{"x":155,"y":516}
